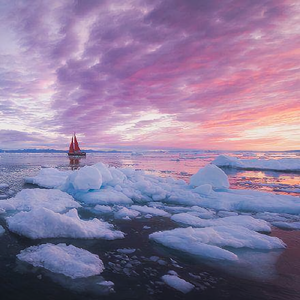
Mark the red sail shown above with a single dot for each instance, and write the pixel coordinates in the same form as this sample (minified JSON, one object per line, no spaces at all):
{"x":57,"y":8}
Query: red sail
{"x":76,"y":146}
{"x":71,"y":148}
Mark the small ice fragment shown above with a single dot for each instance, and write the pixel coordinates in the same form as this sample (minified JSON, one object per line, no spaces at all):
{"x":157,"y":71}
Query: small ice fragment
{"x":126,"y":250}
{"x":178,"y":283}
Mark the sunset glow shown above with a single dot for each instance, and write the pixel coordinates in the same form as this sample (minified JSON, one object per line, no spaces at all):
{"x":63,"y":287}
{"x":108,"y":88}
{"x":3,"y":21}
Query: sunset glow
{"x":160,"y":74}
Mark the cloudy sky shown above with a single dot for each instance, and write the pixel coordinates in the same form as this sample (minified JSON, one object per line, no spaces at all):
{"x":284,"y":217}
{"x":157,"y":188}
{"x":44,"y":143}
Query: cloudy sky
{"x":201,"y":74}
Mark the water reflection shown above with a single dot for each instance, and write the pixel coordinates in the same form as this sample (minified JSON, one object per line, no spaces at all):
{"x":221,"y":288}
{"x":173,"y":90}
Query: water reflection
{"x":74,"y":162}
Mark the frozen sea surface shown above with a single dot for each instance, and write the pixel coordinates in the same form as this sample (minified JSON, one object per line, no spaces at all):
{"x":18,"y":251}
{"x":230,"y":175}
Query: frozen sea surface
{"x":135,"y":266}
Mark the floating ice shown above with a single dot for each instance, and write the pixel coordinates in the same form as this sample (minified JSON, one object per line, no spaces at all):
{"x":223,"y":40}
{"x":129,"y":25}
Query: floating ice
{"x":103,"y":208}
{"x":126,"y":251}
{"x":107,"y":196}
{"x":4,"y":186}
{"x":204,"y":189}
{"x":84,"y":179}
{"x":287,"y":225}
{"x":252,"y":201}
{"x":44,"y":223}
{"x":284,"y":164}
{"x":207,"y":242}
{"x":244,"y":221}
{"x":127,"y":214}
{"x":28,"y":199}
{"x":68,"y":260}
{"x":151,"y":210}
{"x":212,"y":175}
{"x":49,"y":178}
{"x":178,"y":283}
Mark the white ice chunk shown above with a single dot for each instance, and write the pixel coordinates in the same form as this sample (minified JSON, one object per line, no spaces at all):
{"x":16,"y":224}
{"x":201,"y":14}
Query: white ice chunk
{"x":178,"y":283}
{"x":287,"y":225}
{"x":28,"y":199}
{"x":44,"y":223}
{"x":84,"y":179}
{"x":68,"y":260}
{"x":126,"y":250}
{"x":204,"y":189}
{"x":4,"y":186}
{"x":127,"y":214}
{"x":151,"y":210}
{"x":103,"y":208}
{"x":207,"y":242}
{"x":106,"y":175}
{"x":49,"y":178}
{"x":253,"y":201}
{"x":245,"y":221}
{"x":107,"y":196}
{"x":283,"y":164}
{"x":212,"y":175}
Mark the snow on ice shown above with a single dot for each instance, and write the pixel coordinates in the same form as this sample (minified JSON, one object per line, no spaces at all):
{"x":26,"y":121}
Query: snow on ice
{"x":68,"y":260}
{"x":283,"y":164}
{"x":44,"y":223}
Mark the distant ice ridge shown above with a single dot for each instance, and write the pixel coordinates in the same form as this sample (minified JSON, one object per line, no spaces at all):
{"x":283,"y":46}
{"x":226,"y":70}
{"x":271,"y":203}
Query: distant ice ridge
{"x":68,"y":260}
{"x":44,"y":223}
{"x":283,"y":164}
{"x":209,"y":242}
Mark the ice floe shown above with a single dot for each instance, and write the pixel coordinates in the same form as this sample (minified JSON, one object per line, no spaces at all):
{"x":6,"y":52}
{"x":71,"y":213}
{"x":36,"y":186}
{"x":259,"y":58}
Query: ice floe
{"x":177,"y":283}
{"x":283,"y":164}
{"x":287,"y":225}
{"x":28,"y":199}
{"x":208,"y":242}
{"x":44,"y":223}
{"x":252,"y":201}
{"x":244,"y":221}
{"x":49,"y":178}
{"x":125,"y":213}
{"x":68,"y":260}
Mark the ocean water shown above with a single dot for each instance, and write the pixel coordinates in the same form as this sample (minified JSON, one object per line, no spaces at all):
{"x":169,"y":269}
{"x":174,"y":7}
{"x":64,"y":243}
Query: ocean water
{"x":260,"y":275}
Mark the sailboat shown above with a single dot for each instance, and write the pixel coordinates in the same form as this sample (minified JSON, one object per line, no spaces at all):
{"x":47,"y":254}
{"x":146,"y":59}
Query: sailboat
{"x":74,"y":149}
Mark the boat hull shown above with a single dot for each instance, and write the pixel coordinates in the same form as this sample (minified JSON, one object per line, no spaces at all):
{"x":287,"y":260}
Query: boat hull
{"x":81,"y":154}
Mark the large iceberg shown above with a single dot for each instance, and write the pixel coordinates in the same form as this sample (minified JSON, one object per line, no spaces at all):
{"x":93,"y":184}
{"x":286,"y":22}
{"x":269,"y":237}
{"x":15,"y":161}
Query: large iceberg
{"x":44,"y":223}
{"x":28,"y":199}
{"x":209,"y":242}
{"x":68,"y":260}
{"x":283,"y":164}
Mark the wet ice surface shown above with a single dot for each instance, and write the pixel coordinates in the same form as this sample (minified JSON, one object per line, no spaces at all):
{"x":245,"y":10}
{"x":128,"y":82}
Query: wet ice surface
{"x":137,"y":274}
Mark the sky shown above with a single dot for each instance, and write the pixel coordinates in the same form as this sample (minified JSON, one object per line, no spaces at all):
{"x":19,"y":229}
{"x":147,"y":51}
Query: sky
{"x":150,"y":74}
